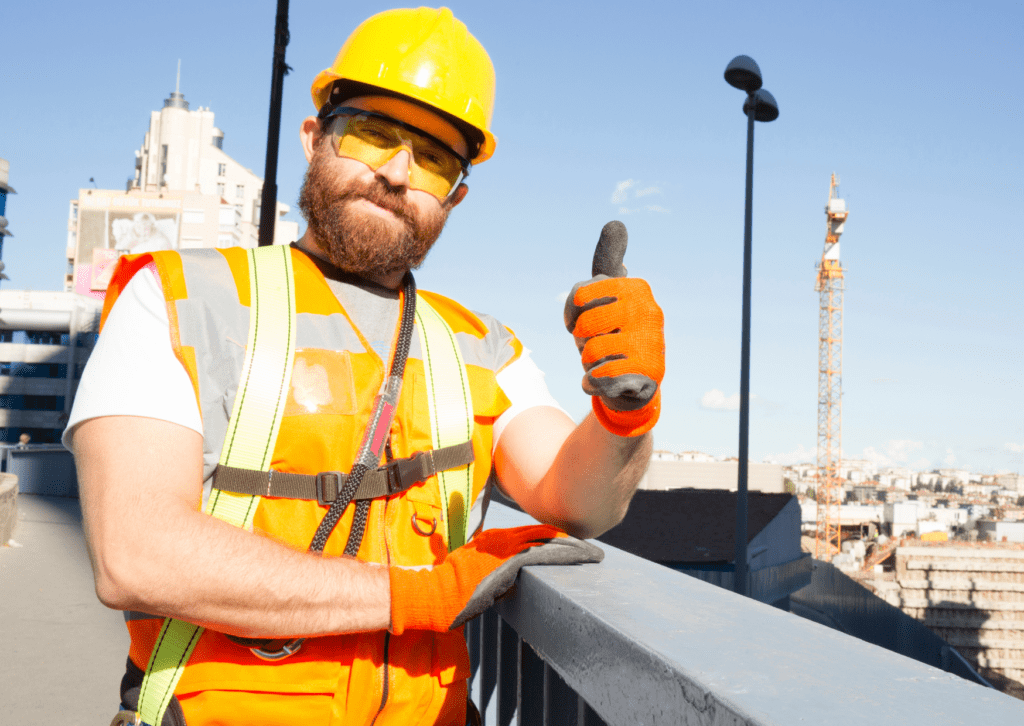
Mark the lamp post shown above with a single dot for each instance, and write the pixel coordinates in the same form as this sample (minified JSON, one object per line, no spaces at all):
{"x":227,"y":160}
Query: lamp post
{"x":268,"y":201}
{"x":744,"y":74}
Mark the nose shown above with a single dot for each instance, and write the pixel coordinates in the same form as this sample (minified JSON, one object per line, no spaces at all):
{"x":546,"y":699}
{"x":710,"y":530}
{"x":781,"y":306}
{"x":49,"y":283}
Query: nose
{"x":396,"y":170}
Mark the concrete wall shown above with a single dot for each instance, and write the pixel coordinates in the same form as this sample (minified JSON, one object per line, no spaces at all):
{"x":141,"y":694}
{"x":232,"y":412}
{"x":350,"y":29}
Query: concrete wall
{"x":8,"y":506}
{"x":973,"y":598}
{"x":712,"y":475}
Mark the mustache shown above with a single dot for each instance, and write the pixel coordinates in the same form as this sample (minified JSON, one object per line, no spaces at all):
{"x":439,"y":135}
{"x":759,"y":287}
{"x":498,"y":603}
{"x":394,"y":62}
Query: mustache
{"x":380,"y":194}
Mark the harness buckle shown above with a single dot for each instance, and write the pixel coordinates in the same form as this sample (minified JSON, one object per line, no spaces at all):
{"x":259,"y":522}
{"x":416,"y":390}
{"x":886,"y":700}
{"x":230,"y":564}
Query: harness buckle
{"x":403,"y":473}
{"x":328,"y":486}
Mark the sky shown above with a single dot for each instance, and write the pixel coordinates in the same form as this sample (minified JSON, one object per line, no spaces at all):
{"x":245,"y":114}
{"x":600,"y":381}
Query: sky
{"x":607,"y":110}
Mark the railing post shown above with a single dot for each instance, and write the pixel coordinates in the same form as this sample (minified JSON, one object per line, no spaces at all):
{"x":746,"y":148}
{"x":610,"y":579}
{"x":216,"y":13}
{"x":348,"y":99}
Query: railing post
{"x":488,"y":659}
{"x":531,"y":686}
{"x":508,"y":672}
{"x":559,"y":700}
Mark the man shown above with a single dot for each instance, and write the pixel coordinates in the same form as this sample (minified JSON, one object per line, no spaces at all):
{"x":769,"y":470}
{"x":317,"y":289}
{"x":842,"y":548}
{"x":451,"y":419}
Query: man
{"x":164,"y":406}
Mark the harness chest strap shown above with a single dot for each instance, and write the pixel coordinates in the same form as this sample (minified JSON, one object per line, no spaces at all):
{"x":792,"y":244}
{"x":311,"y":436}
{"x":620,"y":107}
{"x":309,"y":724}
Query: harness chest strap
{"x":255,"y":423}
{"x":391,"y":479}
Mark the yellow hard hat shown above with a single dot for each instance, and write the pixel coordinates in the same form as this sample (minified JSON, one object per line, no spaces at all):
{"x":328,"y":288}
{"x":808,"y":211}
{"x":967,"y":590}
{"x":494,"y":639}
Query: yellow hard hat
{"x":425,"y":55}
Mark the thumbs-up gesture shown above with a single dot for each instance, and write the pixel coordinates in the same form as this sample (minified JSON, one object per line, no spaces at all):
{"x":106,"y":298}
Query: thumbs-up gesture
{"x":620,"y":333}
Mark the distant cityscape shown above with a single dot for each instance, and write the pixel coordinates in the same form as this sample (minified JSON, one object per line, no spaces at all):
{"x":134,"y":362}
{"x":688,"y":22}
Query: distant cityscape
{"x":939,"y":505}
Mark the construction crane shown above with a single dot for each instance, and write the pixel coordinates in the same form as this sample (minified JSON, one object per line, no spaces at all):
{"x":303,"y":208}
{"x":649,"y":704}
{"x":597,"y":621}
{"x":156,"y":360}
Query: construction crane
{"x":830,"y":286}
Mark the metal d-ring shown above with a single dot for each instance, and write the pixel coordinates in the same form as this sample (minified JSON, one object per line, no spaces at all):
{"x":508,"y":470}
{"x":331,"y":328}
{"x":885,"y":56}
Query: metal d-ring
{"x":416,"y":526}
{"x":290,"y":648}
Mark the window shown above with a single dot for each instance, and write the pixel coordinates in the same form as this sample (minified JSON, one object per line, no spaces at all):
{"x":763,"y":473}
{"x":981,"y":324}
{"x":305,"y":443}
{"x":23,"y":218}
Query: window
{"x":193,"y":216}
{"x":220,"y":190}
{"x":222,"y":169}
{"x":240,"y":191}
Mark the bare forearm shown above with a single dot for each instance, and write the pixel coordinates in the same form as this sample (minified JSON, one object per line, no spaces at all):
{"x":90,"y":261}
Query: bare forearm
{"x":196,"y":568}
{"x":580,"y":478}
{"x":589,"y":486}
{"x":153,"y":550}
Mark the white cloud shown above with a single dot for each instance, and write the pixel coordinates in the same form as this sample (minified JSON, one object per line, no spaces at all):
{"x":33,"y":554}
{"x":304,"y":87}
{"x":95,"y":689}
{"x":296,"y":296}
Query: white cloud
{"x":715,"y":400}
{"x":884,"y":380}
{"x":563,"y":296}
{"x":627,"y":190}
{"x":950,"y":458}
{"x":800,"y":455}
{"x":1015,"y":448}
{"x":897,"y":453}
{"x":621,"y":193}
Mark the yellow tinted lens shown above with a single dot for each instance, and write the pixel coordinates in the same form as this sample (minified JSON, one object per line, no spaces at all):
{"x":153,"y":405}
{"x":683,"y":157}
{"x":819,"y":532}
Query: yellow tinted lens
{"x":374,"y":141}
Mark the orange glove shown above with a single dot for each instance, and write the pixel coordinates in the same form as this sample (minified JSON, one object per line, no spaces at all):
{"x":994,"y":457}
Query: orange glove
{"x":620,"y":332}
{"x":474,"y":576}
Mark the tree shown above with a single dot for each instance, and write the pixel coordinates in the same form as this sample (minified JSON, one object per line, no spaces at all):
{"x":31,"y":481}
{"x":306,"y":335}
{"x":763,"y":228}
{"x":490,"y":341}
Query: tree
{"x":791,"y":487}
{"x":810,"y":493}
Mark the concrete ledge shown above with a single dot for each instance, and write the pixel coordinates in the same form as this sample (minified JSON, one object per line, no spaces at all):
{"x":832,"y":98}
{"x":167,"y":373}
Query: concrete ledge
{"x":642,"y":644}
{"x":8,"y":506}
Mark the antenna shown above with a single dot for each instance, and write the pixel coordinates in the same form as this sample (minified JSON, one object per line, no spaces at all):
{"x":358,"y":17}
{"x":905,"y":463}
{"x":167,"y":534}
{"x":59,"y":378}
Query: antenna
{"x":177,"y":81}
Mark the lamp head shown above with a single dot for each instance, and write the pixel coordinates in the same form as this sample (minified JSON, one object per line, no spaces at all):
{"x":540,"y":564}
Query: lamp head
{"x":765,"y":107}
{"x":743,"y":73}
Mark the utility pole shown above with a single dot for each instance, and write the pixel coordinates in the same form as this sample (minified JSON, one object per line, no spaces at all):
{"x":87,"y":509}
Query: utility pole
{"x":268,"y":203}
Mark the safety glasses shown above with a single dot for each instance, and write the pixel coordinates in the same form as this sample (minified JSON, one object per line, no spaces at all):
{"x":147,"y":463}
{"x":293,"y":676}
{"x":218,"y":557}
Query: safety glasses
{"x":375,"y":139}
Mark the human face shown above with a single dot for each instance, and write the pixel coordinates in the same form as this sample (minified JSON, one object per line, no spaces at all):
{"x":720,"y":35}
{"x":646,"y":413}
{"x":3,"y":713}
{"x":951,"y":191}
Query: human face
{"x":369,"y":221}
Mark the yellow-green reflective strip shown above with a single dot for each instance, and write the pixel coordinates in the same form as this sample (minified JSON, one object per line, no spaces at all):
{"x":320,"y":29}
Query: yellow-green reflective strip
{"x":263,"y":388}
{"x":249,"y":444}
{"x":451,"y":414}
{"x":166,"y":664}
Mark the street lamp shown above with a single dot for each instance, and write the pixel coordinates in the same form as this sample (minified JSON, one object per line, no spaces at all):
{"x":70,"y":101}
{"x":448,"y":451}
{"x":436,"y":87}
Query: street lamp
{"x":744,"y":74}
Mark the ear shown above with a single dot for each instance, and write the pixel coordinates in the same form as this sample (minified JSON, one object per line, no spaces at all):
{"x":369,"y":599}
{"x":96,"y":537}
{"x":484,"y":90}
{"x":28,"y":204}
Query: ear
{"x":455,"y":199}
{"x":309,"y":133}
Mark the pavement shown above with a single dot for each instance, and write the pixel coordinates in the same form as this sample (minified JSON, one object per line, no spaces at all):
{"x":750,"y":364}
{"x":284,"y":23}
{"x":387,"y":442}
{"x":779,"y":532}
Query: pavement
{"x":63,"y":653}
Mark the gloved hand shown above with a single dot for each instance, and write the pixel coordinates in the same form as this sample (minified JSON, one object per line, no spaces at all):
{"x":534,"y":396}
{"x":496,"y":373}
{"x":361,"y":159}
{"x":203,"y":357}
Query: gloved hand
{"x":473,"y":577}
{"x":620,"y":332}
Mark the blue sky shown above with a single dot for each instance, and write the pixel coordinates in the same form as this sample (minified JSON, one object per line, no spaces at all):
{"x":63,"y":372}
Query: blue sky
{"x":606,"y":110}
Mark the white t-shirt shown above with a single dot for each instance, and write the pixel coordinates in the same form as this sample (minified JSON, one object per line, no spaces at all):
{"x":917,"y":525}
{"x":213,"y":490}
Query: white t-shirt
{"x":133,"y":370}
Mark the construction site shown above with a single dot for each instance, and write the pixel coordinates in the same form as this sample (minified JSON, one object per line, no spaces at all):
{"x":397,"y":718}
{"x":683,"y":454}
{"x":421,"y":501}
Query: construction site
{"x":962,"y":578}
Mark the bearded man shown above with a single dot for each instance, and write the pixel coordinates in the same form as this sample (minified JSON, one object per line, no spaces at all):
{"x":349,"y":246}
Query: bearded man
{"x":282,"y":485}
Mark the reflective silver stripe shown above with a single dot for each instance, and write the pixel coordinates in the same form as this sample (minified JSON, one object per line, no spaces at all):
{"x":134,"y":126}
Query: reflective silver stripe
{"x":492,"y":351}
{"x":330,"y":332}
{"x":130,"y":615}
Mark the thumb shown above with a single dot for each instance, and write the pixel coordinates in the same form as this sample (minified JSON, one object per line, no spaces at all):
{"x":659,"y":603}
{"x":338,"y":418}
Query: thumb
{"x":611,"y":249}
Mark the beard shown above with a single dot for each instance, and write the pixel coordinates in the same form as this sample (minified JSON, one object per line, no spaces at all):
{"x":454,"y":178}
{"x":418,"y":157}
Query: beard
{"x":359,"y":242}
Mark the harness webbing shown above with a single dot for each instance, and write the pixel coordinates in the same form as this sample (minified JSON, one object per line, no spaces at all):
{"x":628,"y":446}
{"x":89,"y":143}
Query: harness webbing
{"x":451,"y":415}
{"x":249,"y":443}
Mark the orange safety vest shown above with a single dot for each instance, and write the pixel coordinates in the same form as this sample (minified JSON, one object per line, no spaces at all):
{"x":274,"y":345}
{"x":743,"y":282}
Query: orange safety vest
{"x":361,"y":678}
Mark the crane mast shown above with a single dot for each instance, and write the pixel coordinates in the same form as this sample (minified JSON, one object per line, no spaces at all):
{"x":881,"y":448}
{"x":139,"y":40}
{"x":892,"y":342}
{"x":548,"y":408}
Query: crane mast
{"x":830,"y":286}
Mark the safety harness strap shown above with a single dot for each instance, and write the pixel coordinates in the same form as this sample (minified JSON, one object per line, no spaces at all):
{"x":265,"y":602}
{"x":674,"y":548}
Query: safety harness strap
{"x":391,"y":479}
{"x":249,"y":444}
{"x":451,"y":415}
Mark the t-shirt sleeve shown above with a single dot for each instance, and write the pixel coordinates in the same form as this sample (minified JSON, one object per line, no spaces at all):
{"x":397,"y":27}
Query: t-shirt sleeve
{"x":523,"y":384}
{"x":133,"y":370}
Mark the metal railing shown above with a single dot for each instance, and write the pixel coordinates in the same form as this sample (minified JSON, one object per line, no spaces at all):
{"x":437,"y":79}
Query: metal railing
{"x":631,"y":642}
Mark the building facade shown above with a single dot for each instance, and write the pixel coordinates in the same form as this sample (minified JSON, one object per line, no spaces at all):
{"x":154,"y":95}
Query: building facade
{"x":185,"y":193}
